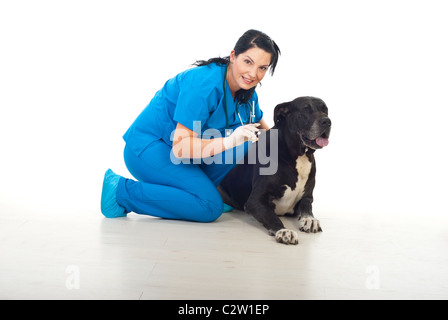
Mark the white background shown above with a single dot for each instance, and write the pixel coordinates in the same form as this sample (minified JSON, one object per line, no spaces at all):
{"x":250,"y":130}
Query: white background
{"x":75,"y":74}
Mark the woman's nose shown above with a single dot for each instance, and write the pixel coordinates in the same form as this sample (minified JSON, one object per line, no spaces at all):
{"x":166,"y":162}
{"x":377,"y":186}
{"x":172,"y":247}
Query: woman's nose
{"x":253,"y":72}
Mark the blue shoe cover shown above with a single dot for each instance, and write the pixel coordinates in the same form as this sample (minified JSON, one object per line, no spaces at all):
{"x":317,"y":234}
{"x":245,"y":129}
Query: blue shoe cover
{"x":227,"y":208}
{"x":109,"y":205}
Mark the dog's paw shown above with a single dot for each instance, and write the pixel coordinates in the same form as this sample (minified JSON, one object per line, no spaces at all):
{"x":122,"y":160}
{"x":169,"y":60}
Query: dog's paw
{"x":286,"y":236}
{"x":309,"y":224}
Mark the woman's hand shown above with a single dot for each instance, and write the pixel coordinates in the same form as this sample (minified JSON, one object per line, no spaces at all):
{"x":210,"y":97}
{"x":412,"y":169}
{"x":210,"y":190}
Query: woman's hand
{"x":241,"y":135}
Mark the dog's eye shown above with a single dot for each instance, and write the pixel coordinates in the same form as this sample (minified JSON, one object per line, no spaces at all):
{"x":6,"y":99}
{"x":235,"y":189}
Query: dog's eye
{"x":324,"y":109}
{"x":307,"y":109}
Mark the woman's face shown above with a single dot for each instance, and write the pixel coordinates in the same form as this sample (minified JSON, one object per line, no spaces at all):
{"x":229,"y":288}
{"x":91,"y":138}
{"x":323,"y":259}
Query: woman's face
{"x":247,"y":69}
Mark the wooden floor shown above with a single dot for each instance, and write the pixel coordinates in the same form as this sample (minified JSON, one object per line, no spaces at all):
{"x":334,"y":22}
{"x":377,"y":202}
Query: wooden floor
{"x":85,"y":256}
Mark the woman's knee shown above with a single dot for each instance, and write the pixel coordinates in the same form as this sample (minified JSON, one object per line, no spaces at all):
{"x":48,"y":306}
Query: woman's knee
{"x":213,"y":208}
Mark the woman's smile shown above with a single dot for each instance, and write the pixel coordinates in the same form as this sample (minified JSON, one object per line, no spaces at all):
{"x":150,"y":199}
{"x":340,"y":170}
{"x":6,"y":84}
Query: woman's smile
{"x":247,"y":80}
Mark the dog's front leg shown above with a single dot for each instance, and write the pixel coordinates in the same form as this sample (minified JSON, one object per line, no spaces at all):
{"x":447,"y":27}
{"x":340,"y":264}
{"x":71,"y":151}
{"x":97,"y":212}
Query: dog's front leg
{"x":259,"y":208}
{"x":307,"y":222}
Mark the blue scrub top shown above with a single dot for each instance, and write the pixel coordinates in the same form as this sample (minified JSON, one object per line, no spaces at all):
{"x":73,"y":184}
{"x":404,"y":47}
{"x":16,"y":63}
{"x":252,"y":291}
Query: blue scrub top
{"x":193,"y":95}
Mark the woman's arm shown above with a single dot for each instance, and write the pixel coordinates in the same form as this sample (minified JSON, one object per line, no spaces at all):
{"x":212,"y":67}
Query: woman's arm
{"x":187,"y":145}
{"x":263,"y":125}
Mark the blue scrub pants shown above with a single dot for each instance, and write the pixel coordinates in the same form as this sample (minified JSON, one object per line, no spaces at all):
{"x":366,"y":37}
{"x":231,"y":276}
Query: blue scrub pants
{"x":174,"y":191}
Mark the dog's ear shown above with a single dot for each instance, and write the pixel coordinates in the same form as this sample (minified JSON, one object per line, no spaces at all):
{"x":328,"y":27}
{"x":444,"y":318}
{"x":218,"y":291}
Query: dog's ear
{"x":281,"y":112}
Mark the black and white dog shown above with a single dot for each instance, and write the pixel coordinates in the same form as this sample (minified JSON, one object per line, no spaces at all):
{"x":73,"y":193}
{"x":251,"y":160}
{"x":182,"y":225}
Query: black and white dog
{"x":303,"y":126}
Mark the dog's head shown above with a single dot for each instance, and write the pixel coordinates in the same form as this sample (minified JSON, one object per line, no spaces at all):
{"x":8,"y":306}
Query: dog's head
{"x":305,"y":118}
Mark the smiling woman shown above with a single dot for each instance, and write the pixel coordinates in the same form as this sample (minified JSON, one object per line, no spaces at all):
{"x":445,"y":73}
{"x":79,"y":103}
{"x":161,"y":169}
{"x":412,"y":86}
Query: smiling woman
{"x":176,"y":125}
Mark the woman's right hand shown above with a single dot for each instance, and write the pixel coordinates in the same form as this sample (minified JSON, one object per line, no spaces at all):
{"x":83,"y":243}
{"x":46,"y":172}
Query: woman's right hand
{"x":241,"y":135}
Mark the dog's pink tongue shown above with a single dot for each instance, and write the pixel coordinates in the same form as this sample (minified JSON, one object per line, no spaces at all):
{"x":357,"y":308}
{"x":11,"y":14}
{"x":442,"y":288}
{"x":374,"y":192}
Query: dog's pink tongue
{"x":322,"y":142}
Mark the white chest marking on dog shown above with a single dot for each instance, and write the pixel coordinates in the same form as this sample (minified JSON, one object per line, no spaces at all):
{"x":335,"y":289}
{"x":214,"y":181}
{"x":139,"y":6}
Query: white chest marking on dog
{"x":290,"y":198}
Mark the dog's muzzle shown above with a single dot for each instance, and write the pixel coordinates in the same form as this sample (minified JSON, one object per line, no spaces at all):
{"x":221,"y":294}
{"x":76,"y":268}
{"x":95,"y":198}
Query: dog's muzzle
{"x":319,"y":134}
